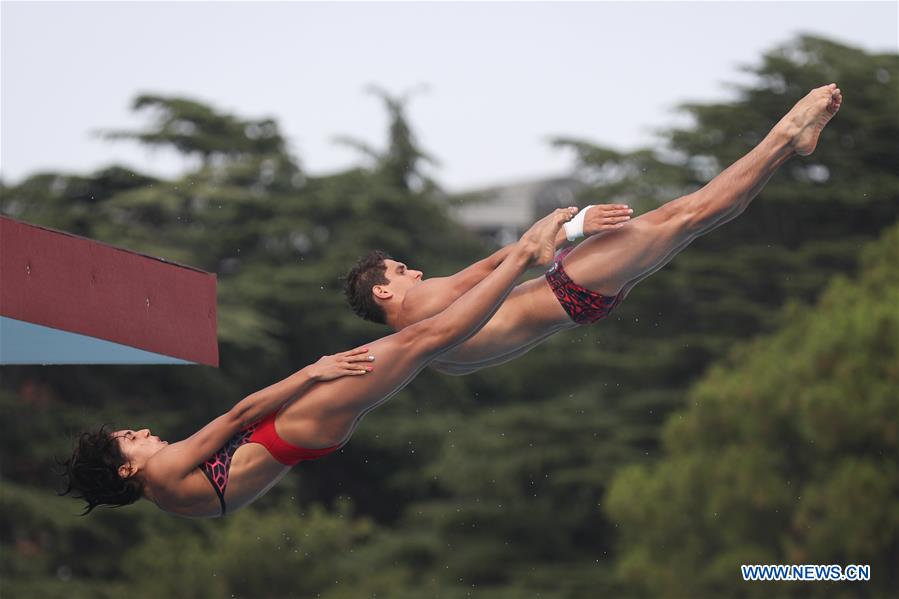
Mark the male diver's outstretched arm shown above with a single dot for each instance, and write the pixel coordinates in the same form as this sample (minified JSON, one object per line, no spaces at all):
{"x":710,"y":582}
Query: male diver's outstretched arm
{"x":465,"y":316}
{"x":434,"y":295}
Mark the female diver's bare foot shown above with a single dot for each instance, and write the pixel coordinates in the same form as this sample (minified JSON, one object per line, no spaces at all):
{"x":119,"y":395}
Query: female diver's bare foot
{"x":540,"y":240}
{"x":805,"y":121}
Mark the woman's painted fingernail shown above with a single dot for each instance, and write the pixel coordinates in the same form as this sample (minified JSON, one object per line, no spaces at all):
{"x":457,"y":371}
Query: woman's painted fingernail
{"x":369,"y":368}
{"x":371,"y":358}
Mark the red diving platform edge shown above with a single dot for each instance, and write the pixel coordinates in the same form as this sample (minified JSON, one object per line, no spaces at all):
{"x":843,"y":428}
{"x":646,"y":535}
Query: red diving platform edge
{"x":70,"y":283}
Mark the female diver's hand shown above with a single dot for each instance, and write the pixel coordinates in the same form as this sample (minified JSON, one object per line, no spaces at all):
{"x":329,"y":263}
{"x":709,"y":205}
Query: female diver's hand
{"x":353,"y":362}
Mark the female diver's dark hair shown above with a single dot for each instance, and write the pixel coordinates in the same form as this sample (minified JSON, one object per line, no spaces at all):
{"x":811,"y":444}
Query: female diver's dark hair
{"x":93,"y":473}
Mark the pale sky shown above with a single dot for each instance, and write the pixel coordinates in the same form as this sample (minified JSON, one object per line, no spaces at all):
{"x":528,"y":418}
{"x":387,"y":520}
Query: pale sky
{"x":501,"y":77}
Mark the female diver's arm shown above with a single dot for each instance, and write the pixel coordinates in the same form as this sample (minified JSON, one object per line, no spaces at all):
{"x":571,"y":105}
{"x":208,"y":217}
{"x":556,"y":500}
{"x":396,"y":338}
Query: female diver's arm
{"x":186,"y":455}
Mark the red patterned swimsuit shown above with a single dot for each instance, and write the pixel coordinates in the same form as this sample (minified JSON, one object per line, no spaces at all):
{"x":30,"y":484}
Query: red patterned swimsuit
{"x":263,"y":432}
{"x":582,"y":305}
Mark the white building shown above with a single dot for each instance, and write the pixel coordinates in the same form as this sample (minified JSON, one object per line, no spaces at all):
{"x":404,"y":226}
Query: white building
{"x":500,"y":214}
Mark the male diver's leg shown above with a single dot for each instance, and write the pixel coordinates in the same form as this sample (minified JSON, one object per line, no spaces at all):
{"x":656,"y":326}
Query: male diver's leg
{"x":617,"y":260}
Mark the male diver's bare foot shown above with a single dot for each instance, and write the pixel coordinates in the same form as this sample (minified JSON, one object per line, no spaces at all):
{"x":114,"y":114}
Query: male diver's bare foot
{"x":805,"y":121}
{"x":540,"y":240}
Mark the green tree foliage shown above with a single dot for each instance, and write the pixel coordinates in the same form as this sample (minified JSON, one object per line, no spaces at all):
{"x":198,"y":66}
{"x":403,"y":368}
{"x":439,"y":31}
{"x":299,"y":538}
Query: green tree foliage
{"x":192,"y":127}
{"x":551,"y":453}
{"x":312,"y":554}
{"x":785,"y":455}
{"x":400,"y":162}
{"x":493,"y":482}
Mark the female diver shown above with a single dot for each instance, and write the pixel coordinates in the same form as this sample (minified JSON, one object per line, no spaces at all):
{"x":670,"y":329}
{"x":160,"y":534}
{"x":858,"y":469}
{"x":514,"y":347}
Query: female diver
{"x":240,"y":455}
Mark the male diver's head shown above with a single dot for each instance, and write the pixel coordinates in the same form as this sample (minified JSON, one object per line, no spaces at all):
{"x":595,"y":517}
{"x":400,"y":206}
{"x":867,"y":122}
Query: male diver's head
{"x":377,"y":280}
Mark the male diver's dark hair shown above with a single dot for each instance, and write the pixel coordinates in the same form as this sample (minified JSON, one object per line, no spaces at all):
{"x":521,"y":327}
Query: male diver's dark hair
{"x":93,"y":472}
{"x":368,"y":271}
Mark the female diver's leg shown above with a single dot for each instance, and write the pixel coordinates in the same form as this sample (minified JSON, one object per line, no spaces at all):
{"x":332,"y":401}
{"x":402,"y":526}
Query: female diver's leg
{"x":617,"y":260}
{"x":329,"y":412}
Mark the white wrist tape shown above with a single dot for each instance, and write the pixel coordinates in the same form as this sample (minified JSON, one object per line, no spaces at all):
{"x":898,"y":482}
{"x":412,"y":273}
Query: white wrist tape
{"x":574,"y":229}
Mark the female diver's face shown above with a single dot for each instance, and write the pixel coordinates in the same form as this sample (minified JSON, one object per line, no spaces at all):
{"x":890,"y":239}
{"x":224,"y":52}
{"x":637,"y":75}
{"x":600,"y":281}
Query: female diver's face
{"x":138,"y":446}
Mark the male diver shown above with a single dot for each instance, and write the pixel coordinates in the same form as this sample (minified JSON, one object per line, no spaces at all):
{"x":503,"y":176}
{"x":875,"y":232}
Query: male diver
{"x":586,"y":282}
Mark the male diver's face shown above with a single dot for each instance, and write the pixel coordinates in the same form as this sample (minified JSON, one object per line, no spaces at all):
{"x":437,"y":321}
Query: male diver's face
{"x":401,"y":277}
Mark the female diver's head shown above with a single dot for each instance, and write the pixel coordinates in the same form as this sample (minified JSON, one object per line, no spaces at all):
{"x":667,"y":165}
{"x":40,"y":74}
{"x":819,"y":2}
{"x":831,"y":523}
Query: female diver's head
{"x":106,"y":467}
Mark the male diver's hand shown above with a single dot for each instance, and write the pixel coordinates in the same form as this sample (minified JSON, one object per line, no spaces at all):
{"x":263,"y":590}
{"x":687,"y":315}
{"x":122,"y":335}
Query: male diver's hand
{"x":348,"y":363}
{"x":606,"y":217}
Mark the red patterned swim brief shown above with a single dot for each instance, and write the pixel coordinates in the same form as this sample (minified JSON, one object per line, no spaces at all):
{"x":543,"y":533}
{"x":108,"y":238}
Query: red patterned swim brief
{"x":582,"y":305}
